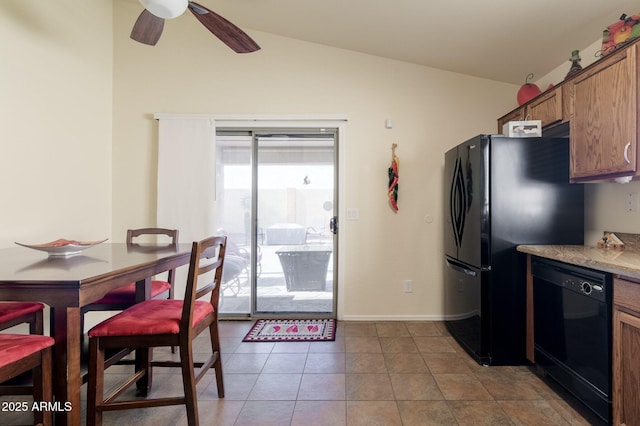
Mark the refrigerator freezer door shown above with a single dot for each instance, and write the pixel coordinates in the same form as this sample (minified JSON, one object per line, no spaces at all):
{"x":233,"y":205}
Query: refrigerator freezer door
{"x":463,"y":306}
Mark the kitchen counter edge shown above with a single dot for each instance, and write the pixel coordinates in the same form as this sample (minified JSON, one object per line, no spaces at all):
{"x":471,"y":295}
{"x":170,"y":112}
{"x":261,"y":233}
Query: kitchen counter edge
{"x":625,"y":263}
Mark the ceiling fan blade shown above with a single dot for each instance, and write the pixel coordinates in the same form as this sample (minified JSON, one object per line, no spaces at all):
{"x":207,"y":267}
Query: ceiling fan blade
{"x":227,"y":32}
{"x":147,"y":28}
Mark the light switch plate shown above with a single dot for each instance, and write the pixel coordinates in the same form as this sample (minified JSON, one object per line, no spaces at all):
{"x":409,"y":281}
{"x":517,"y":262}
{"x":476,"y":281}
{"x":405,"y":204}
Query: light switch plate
{"x":631,"y":202}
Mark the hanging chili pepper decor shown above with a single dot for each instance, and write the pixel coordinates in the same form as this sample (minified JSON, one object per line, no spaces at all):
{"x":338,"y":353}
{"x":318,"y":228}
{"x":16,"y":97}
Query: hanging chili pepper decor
{"x":394,"y":177}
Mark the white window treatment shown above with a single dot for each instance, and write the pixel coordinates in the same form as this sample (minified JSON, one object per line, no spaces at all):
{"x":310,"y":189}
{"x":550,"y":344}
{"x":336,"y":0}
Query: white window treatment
{"x":186,"y":176}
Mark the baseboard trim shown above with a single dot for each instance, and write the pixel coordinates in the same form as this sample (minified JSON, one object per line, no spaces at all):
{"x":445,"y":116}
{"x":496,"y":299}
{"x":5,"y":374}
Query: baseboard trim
{"x":392,"y":318}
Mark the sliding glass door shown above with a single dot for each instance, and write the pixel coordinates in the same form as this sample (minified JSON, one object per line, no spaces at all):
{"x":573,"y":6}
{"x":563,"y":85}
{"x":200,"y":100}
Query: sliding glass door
{"x":234,"y":194}
{"x":276,"y":203}
{"x":295,"y":195}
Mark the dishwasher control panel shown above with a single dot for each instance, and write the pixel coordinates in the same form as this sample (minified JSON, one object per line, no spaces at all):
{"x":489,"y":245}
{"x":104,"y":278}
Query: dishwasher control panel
{"x":585,"y":281}
{"x":583,"y":286}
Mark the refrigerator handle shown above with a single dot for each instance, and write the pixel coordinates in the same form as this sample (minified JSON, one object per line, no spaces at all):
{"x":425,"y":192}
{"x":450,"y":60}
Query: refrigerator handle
{"x":458,"y":203}
{"x":462,"y":269}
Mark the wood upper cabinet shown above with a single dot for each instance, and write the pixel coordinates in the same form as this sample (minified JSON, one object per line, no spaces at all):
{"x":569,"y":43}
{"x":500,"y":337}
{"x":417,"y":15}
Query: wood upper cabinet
{"x":546,"y":107}
{"x":515,"y":115}
{"x":626,"y":347}
{"x":604,"y":121}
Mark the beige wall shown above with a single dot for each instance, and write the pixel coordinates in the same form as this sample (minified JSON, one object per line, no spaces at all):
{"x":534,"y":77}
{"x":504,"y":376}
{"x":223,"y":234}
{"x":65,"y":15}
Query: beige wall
{"x":55,"y":120}
{"x":190,"y":71}
{"x":66,"y":101}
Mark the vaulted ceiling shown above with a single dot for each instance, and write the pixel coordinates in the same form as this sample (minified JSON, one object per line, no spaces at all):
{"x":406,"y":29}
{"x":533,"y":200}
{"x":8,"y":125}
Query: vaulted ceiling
{"x":501,"y":40}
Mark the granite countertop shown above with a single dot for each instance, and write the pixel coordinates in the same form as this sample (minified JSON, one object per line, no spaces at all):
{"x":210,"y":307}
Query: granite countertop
{"x":622,"y":262}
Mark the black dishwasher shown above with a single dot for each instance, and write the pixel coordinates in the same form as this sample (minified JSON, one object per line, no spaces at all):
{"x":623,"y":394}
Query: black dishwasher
{"x":572,"y":330}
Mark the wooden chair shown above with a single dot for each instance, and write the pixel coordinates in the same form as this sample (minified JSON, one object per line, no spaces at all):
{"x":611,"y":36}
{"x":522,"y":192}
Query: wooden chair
{"x":124,"y":297}
{"x":14,"y":313}
{"x":20,"y":353}
{"x":157,"y":323}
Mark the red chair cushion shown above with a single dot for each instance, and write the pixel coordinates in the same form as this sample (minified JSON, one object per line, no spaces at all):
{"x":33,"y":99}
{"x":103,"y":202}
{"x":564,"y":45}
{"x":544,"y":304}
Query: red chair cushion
{"x":11,"y":310}
{"x":150,"y":317}
{"x":126,"y":295}
{"x":17,"y":346}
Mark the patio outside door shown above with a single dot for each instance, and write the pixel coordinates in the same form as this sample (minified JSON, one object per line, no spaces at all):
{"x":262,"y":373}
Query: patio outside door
{"x":277,"y":192}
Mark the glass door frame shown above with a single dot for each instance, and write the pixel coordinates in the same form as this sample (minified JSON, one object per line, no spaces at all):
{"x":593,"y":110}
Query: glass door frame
{"x":299,"y":132}
{"x":337,"y":126}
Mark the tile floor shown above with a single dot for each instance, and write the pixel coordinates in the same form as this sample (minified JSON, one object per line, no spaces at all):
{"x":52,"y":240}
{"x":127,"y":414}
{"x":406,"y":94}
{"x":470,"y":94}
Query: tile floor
{"x":375,"y":373}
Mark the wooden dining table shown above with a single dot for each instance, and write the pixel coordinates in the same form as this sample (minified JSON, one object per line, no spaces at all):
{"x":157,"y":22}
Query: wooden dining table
{"x":67,"y":283}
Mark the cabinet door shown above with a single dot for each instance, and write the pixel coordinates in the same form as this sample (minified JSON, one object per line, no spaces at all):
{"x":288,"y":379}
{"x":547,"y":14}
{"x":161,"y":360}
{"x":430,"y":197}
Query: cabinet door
{"x":567,"y":102}
{"x":515,"y":115}
{"x":546,"y":107}
{"x":626,"y":347}
{"x":604,"y":122}
{"x":626,"y":370}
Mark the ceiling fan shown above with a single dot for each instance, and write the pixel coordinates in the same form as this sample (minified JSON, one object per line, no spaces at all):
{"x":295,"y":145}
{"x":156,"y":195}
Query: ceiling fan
{"x":149,"y":25}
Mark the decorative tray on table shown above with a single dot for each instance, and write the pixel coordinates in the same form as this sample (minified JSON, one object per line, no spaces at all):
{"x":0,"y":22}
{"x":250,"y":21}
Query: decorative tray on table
{"x":63,"y":247}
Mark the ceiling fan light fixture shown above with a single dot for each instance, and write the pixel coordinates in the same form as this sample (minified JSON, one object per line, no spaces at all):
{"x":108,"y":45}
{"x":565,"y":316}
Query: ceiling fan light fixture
{"x":166,"y":9}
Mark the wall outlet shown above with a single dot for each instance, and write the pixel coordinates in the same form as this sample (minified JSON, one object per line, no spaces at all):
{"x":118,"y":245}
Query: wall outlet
{"x":408,"y":286}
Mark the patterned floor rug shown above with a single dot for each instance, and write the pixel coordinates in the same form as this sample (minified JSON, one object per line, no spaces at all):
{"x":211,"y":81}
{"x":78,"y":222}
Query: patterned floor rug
{"x":292,"y":330}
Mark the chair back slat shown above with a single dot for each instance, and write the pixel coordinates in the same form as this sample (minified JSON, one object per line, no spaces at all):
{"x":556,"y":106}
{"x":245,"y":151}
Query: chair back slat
{"x":134,"y":233}
{"x":202,"y":291}
{"x":171,"y":233}
{"x":206,"y":256}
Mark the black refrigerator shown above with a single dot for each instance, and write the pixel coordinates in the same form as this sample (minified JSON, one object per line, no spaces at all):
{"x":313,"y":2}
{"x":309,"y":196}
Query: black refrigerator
{"x":501,"y":192}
